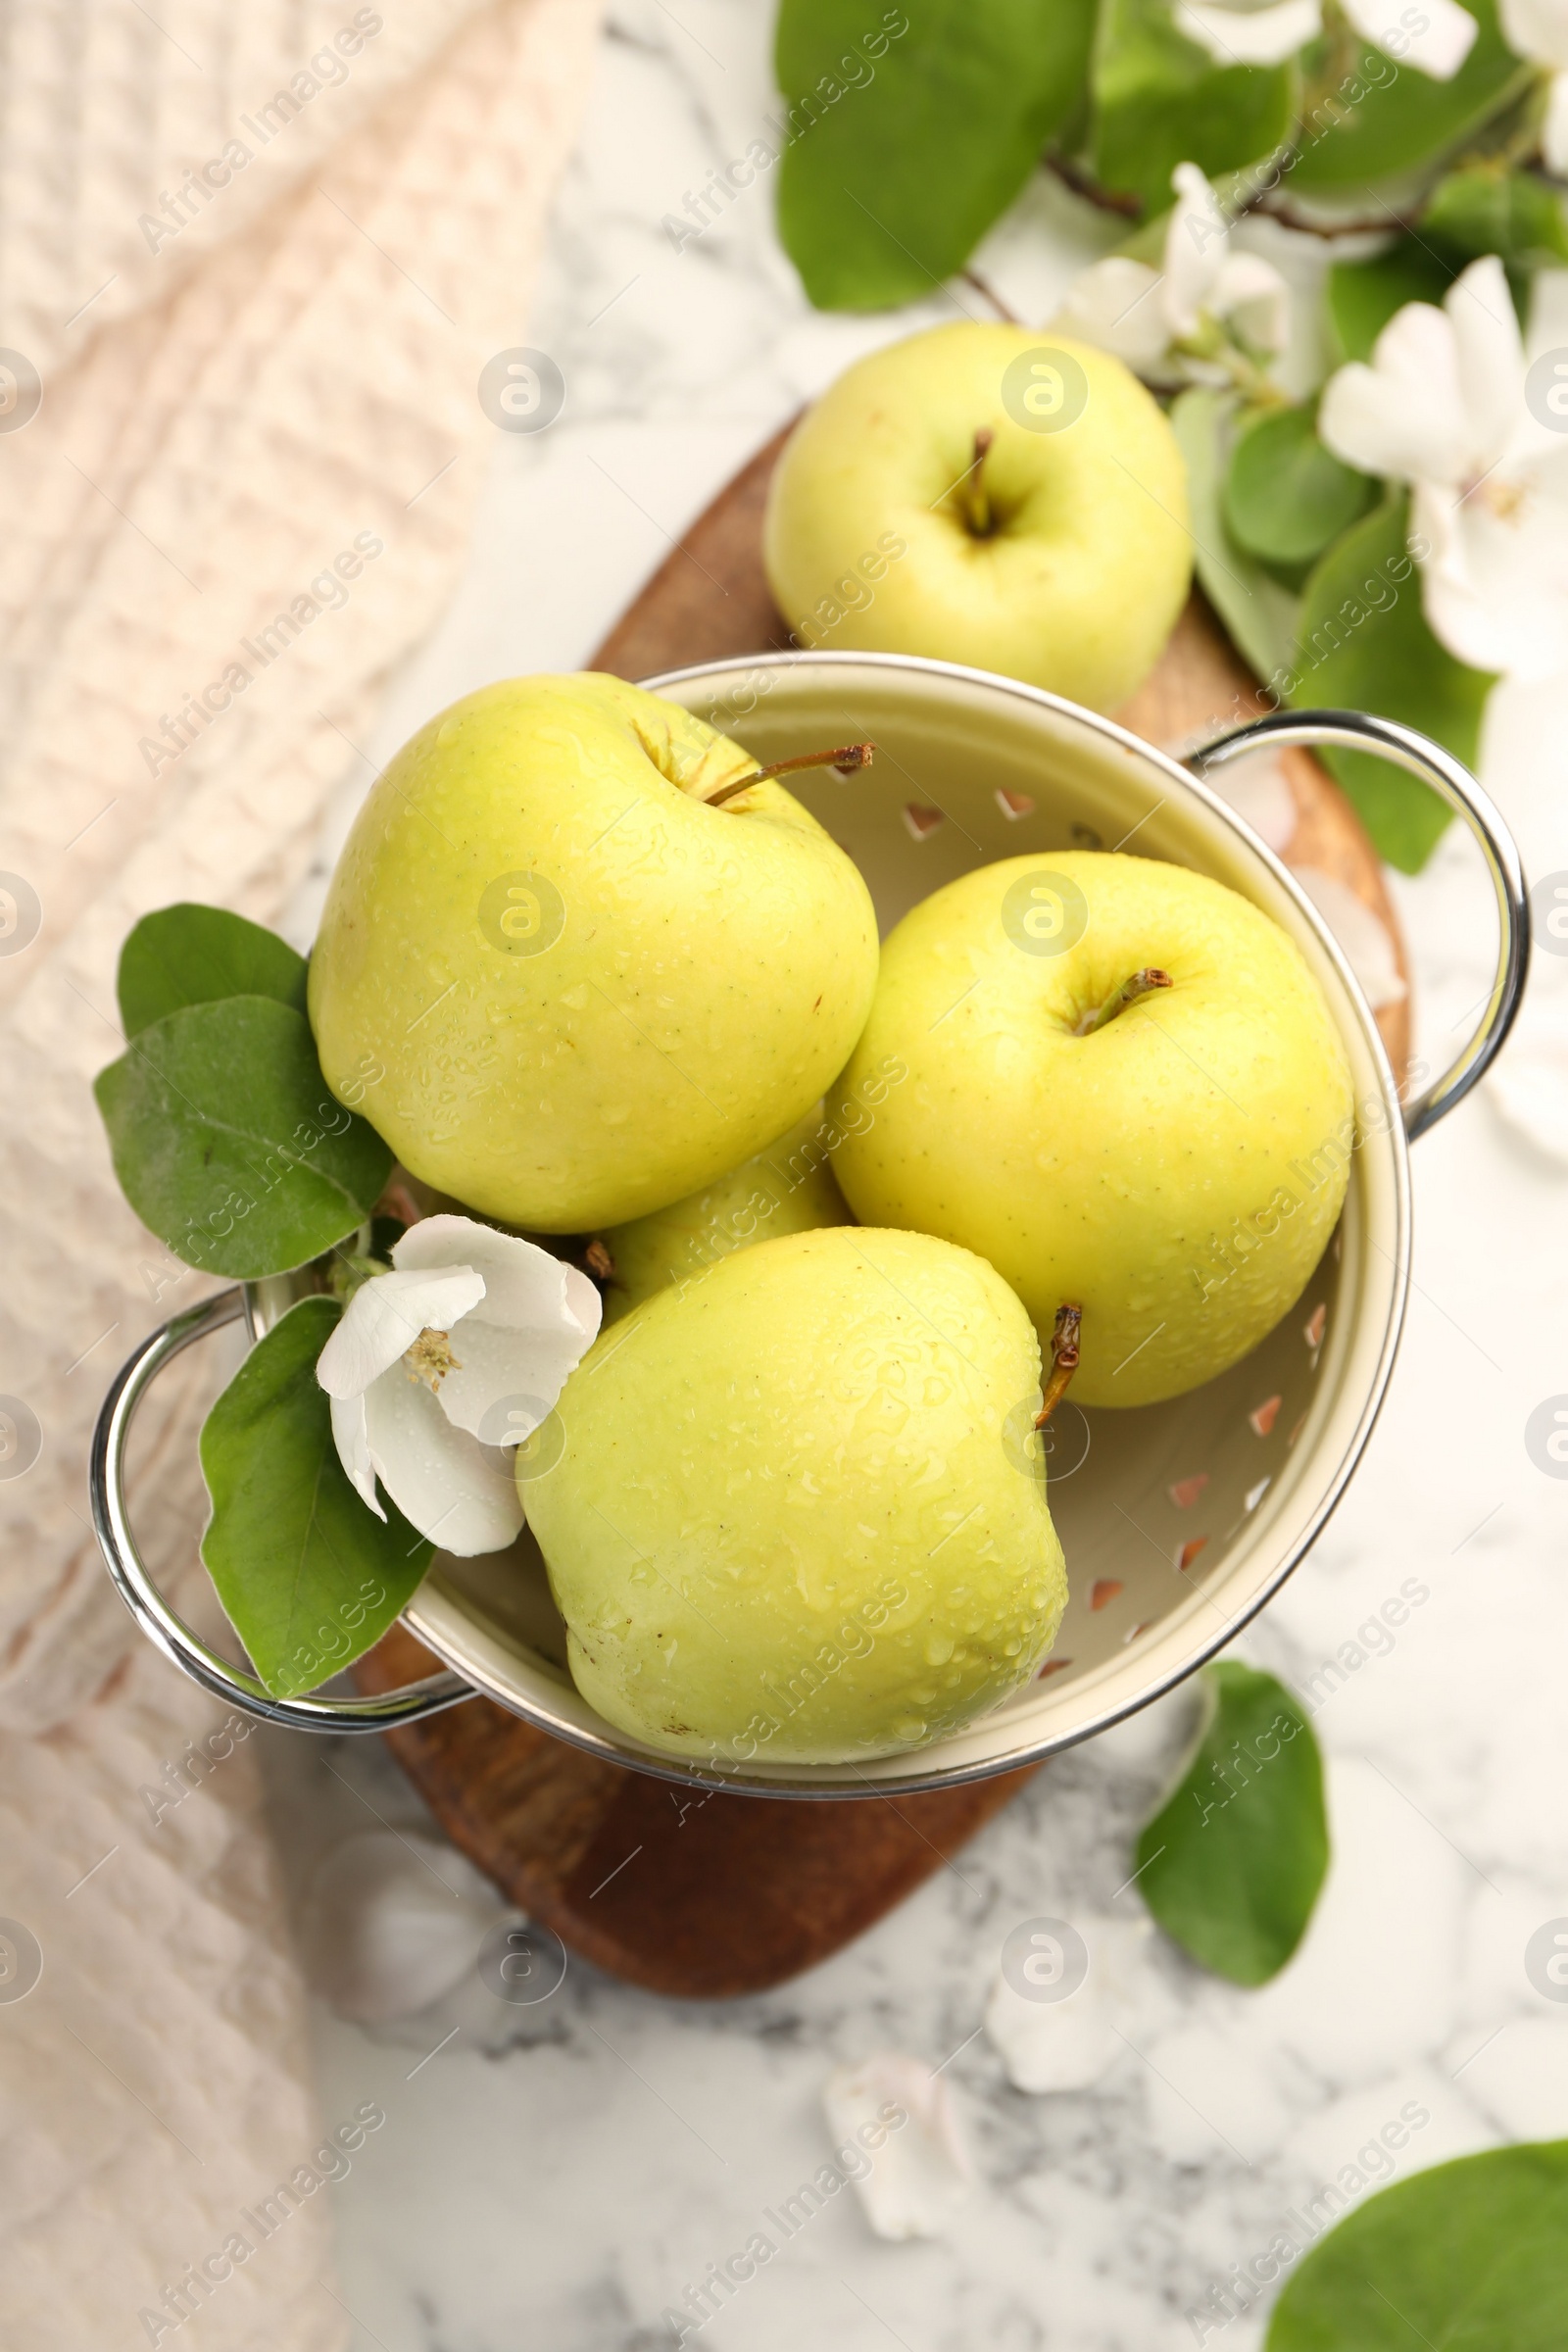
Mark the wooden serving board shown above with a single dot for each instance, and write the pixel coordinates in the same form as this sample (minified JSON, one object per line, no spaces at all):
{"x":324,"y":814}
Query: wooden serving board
{"x":711,"y":1895}
{"x":678,"y":1890}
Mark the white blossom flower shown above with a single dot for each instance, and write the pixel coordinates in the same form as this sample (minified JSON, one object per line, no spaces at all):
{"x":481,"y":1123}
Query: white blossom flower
{"x":1436,"y":36}
{"x":1172,"y":325}
{"x":1539,"y":30}
{"x":440,"y":1365}
{"x":1443,"y":408}
{"x":1240,"y":32}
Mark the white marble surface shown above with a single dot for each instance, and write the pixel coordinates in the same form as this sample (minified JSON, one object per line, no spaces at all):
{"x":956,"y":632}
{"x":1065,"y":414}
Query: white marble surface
{"x":557,"y":2175}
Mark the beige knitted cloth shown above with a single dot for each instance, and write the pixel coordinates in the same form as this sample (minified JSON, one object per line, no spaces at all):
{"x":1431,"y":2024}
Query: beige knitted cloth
{"x":267,"y":376}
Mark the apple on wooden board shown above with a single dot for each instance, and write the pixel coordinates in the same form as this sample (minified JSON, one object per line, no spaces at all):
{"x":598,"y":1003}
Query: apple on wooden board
{"x":569,"y":970}
{"x":991,"y":495}
{"x":790,"y":1187}
{"x":796,"y":1514}
{"x":1125,"y":1090}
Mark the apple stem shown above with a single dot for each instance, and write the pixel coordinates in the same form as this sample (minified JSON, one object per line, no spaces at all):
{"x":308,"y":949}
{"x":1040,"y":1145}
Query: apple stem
{"x":972,"y":497}
{"x":1141,"y":984}
{"x":1063,"y":1360}
{"x":600,"y":1266}
{"x":846,"y":757}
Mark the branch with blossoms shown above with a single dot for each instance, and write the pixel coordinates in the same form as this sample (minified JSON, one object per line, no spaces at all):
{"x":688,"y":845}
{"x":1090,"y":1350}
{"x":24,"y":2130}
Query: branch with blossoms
{"x":1377,"y":450}
{"x":1444,"y":447}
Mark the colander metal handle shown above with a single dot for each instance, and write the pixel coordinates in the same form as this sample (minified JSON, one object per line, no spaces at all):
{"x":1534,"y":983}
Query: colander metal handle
{"x":1451,"y":781}
{"x":151,"y":1612}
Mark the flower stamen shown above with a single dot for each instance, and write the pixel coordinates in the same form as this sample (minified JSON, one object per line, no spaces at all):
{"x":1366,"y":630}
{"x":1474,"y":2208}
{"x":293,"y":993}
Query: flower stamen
{"x":1504,"y":497}
{"x":430,"y":1358}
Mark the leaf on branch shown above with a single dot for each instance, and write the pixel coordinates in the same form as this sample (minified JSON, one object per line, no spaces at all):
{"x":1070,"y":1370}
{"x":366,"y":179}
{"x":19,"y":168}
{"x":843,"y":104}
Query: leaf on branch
{"x":1287,"y":497}
{"x":903,"y":147}
{"x":1161,"y":100}
{"x":1511,"y":214}
{"x":1381,"y":120}
{"x":1258,"y":612}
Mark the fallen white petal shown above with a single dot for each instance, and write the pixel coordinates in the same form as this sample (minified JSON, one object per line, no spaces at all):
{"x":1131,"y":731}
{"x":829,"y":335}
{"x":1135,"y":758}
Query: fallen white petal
{"x":385,"y":1316}
{"x":1069,"y":2044}
{"x":351,"y":1436}
{"x":1404,"y":416}
{"x":460,"y":1493}
{"x":1368,"y":948}
{"x":1437,"y":45}
{"x":1536,"y":30}
{"x":392,"y":1922}
{"x":1115,"y":305}
{"x":921,"y":2174}
{"x":1259,"y":36}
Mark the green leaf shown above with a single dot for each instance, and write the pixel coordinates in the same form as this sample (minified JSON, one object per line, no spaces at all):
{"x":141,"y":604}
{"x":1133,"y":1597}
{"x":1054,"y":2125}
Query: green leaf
{"x":227,"y":1143}
{"x":1511,"y":214}
{"x":310,"y":1578}
{"x":1232,"y":1863}
{"x":1363,"y":296}
{"x":1259,"y":615}
{"x":1286,"y":496}
{"x":1161,"y":100}
{"x":1375,"y":119}
{"x":1364,"y":645}
{"x":901,"y":147}
{"x":1468,"y":2256}
{"x":193,"y":955}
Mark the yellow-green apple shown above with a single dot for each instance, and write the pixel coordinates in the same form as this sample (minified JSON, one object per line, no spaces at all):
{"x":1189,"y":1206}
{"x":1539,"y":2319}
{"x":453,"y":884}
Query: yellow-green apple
{"x":564,"y":983}
{"x":790,"y":1187}
{"x":1125,"y":1090}
{"x":792,"y":1520}
{"x":989,"y":495}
